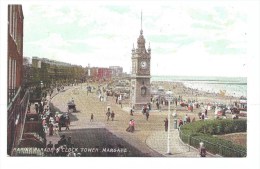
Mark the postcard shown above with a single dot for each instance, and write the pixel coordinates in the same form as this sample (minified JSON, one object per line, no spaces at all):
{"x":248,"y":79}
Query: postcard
{"x":121,"y":79}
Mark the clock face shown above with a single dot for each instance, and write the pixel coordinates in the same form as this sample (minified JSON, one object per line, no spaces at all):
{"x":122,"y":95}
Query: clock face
{"x":143,"y":65}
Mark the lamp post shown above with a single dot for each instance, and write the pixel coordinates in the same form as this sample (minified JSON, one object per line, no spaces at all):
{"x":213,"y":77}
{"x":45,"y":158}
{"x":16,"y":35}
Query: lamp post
{"x":169,"y":98}
{"x":41,"y":85}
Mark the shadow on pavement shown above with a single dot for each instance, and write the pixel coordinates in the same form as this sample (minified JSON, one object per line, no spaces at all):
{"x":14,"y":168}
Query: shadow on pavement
{"x":99,"y":142}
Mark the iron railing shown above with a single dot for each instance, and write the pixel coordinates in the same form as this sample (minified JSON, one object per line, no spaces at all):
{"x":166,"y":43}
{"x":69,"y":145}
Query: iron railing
{"x":213,"y":148}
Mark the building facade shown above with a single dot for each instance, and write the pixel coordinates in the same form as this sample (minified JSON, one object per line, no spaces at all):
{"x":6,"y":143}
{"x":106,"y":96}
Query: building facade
{"x":104,"y":74}
{"x":15,"y":50}
{"x":54,"y":72}
{"x":140,"y":78}
{"x":17,"y":97}
{"x":116,"y":71}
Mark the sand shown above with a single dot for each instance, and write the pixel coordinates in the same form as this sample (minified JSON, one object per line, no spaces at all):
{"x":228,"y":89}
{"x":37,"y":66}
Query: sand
{"x":199,"y":96}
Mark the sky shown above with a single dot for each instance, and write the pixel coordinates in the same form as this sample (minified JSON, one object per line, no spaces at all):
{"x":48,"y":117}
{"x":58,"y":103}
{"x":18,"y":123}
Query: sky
{"x":194,"y":39}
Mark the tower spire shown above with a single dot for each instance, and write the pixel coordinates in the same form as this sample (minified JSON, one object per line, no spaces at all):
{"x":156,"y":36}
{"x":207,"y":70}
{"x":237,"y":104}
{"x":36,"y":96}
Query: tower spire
{"x":141,"y":32}
{"x":141,"y":20}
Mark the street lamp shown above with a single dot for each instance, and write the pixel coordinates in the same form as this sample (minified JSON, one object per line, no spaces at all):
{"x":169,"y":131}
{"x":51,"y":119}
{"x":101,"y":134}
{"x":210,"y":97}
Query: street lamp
{"x":169,"y":98}
{"x":41,"y":85}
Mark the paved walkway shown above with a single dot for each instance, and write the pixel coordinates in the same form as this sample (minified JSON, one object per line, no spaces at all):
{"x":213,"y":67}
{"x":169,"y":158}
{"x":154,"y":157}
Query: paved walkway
{"x":149,"y":137}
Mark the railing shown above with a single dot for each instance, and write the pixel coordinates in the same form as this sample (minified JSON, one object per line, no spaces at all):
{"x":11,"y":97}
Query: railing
{"x":17,"y":110}
{"x":211,"y":147}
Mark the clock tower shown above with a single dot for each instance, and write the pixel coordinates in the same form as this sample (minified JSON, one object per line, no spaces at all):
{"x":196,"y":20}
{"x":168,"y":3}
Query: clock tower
{"x":140,"y":77}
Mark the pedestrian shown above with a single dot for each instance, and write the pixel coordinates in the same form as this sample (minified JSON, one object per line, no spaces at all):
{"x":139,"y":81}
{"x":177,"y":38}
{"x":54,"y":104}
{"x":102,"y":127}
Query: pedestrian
{"x":188,"y":119}
{"x":57,"y":118}
{"x":202,"y":150}
{"x":185,"y":119}
{"x":128,"y":129}
{"x":60,"y":125}
{"x":149,"y":106}
{"x":180,"y":123}
{"x":157,"y":104}
{"x":203,"y":116}
{"x":45,"y":127}
{"x":43,"y":121}
{"x":147,"y":115}
{"x":91,"y":117}
{"x":143,"y":110}
{"x":132,"y":125}
{"x":166,"y":124}
{"x":108,"y":115}
{"x":206,"y":112}
{"x":56,"y":128}
{"x":68,"y":117}
{"x":36,"y":108}
{"x":40,"y":108}
{"x":112,"y":115}
{"x":67,"y":123}
{"x":131,"y":112}
{"x":50,"y":129}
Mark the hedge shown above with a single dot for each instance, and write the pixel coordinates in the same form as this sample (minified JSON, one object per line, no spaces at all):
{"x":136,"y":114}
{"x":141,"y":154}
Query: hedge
{"x":195,"y":132}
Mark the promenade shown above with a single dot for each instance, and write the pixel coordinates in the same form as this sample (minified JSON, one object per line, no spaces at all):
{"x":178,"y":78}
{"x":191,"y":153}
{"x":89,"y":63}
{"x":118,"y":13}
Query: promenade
{"x":149,"y":138}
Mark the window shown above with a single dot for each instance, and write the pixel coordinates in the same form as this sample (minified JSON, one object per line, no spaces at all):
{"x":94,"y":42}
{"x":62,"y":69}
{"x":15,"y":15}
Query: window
{"x":10,"y":19}
{"x":143,"y":91}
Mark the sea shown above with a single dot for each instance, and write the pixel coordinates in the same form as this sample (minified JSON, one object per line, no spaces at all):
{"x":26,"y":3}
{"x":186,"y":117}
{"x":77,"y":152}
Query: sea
{"x":232,"y":86}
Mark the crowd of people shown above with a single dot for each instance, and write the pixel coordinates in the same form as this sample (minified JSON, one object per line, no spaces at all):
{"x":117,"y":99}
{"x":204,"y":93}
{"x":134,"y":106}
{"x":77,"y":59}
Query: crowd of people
{"x":52,"y":123}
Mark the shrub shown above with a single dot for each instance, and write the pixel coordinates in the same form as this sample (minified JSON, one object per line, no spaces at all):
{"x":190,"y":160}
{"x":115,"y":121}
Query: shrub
{"x":204,"y":130}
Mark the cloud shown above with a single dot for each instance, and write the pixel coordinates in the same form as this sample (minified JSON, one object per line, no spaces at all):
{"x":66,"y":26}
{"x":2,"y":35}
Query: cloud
{"x":103,"y":33}
{"x":223,"y":46}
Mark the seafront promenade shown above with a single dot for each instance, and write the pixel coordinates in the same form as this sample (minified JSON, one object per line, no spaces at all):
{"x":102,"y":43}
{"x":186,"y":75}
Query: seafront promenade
{"x":149,"y":138}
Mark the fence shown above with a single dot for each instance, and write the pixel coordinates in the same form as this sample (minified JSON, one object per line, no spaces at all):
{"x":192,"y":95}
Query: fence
{"x":17,"y":110}
{"x":212,"y":148}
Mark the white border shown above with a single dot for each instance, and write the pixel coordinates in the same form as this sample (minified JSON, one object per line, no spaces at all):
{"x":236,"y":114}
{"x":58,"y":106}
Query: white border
{"x":253,"y":120}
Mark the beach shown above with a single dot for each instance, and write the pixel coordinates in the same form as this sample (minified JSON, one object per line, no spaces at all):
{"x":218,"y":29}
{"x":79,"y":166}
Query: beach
{"x":190,"y":94}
